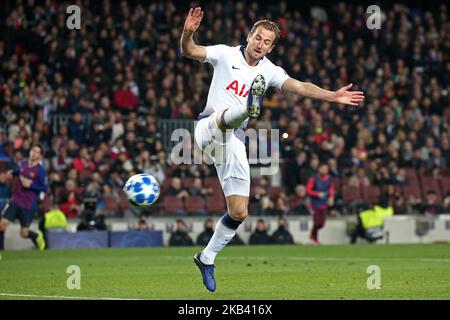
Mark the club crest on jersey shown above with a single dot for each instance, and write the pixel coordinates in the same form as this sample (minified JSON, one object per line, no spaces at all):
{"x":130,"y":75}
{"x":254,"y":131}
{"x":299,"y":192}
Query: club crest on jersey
{"x":238,"y":90}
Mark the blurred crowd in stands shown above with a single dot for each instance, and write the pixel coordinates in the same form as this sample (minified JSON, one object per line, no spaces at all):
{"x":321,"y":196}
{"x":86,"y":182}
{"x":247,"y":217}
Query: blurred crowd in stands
{"x":123,"y":72}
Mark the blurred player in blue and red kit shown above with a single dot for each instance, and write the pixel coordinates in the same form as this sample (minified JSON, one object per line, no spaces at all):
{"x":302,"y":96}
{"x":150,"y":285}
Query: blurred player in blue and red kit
{"x":321,"y":189}
{"x":24,"y":201}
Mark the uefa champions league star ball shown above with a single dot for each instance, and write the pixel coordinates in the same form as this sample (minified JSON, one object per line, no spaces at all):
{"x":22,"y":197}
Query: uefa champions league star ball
{"x":142,"y":190}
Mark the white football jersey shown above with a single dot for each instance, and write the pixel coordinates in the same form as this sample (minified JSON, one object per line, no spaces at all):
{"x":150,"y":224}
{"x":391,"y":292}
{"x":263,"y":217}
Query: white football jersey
{"x":233,"y":77}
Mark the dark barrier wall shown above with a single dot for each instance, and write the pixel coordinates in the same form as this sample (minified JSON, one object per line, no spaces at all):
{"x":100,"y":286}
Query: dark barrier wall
{"x":81,"y":239}
{"x":104,"y":239}
{"x":136,"y":239}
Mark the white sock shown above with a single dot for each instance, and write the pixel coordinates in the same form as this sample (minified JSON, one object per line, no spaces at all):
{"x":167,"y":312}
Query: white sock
{"x":235,"y":116}
{"x":222,"y":235}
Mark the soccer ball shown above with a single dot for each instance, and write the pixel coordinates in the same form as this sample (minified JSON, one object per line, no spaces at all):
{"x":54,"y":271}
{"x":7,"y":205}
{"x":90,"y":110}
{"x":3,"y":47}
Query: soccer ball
{"x":142,"y":189}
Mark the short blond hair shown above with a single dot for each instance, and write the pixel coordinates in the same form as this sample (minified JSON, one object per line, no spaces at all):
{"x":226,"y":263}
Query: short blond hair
{"x":268,"y":25}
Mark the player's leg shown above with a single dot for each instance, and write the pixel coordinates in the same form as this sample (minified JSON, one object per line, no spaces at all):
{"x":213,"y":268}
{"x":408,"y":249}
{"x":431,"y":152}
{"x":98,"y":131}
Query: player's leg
{"x":358,"y":232}
{"x":223,"y":233}
{"x":26,"y":218}
{"x":8,"y":215}
{"x":319,"y":222}
{"x":208,"y":137}
{"x":313,"y":233}
{"x":324,"y":214}
{"x":234,"y":174}
{"x":233,"y":170}
{"x":4,"y":223}
{"x":226,"y":227}
{"x":234,"y":117}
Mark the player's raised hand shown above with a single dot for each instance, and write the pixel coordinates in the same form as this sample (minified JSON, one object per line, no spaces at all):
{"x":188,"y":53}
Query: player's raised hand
{"x":193,"y":19}
{"x":345,"y":96}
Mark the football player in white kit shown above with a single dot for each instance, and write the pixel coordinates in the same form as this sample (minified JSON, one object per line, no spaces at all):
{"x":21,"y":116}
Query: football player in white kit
{"x":241,"y":76}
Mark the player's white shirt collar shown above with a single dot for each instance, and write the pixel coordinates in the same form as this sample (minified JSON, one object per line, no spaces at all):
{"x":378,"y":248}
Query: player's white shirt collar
{"x":241,"y":49}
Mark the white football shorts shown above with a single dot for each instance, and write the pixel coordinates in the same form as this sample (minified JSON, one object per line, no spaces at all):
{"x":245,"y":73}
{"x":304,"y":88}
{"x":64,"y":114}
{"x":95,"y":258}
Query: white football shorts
{"x":228,"y":154}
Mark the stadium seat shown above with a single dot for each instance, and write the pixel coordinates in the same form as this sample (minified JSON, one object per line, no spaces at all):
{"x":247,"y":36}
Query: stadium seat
{"x":215,"y":204}
{"x":351,"y":194}
{"x":337,"y":185}
{"x":214,"y":183}
{"x":111,"y":204}
{"x":255,"y":181}
{"x":217,"y":193}
{"x":445,"y":185}
{"x":173,"y":204}
{"x":166,"y":185}
{"x":273,"y":192}
{"x":352,"y":199}
{"x":195,"y":204}
{"x":123,"y":201}
{"x":412,"y":189}
{"x":371,"y":194}
{"x":169,"y":170}
{"x":187,"y":182}
{"x":430,"y":183}
{"x":253,"y":190}
{"x":411,"y":175}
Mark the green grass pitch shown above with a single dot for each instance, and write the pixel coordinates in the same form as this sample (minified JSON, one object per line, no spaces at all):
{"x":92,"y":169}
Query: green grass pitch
{"x":242,"y":272}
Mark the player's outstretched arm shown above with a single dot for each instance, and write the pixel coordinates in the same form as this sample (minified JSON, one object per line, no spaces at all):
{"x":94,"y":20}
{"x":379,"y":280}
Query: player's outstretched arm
{"x":188,"y":47}
{"x":310,"y":90}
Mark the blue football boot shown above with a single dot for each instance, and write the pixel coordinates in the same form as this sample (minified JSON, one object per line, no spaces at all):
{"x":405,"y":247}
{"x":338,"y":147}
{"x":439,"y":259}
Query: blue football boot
{"x":207,"y":271}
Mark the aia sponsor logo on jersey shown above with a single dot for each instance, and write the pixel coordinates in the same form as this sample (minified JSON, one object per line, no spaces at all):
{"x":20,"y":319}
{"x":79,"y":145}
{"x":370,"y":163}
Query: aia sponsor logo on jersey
{"x":238,"y":90}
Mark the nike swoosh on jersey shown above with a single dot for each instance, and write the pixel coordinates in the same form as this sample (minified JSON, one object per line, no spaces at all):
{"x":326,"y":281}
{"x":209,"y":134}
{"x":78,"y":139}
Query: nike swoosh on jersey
{"x":236,"y":68}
